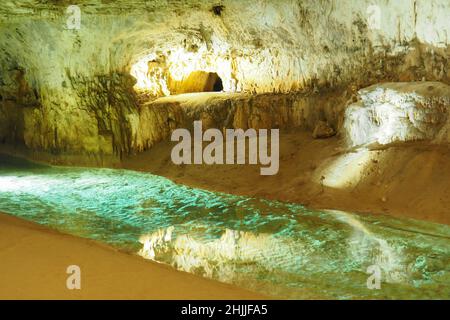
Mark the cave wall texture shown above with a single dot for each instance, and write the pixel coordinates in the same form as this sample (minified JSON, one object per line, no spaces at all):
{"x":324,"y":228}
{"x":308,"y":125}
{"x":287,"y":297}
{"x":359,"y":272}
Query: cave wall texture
{"x":69,"y":92}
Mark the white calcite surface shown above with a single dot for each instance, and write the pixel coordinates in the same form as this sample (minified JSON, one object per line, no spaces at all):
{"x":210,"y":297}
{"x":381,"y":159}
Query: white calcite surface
{"x":394,"y":112}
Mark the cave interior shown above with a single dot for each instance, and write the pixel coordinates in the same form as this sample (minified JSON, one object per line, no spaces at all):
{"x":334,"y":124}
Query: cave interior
{"x":360,"y":94}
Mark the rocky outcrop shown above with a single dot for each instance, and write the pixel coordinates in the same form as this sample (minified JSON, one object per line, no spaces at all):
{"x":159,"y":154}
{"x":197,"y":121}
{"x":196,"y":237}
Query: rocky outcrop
{"x":323,"y":130}
{"x":157,"y":119}
{"x":399,"y":112}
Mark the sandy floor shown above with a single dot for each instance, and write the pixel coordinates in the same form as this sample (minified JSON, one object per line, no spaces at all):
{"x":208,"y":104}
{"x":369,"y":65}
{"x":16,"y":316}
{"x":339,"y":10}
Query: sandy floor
{"x":33,"y":263}
{"x":408,"y":180}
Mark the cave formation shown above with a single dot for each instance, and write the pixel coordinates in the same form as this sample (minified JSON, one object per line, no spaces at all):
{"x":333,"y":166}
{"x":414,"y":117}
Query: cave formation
{"x":359,"y":91}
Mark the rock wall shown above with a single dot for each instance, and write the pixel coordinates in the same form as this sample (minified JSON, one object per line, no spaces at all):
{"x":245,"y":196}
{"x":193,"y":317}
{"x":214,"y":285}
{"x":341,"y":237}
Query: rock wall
{"x":157,"y":119}
{"x":69,"y":91}
{"x":399,"y":112}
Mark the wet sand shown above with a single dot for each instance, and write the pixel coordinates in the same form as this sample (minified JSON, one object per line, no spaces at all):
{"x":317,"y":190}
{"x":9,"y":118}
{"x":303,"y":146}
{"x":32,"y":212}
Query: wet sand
{"x":34,"y":261}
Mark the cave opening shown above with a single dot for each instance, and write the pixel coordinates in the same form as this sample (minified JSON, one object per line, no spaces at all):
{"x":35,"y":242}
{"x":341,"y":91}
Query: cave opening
{"x":218,"y":85}
{"x":156,"y":78}
{"x":197,"y":81}
{"x":213,"y":83}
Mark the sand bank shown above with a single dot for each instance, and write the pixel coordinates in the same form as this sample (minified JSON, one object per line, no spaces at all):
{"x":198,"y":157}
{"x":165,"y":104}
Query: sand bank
{"x":34,"y":260}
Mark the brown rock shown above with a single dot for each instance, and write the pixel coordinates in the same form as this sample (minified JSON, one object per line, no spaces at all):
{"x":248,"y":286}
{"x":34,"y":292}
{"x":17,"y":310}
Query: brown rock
{"x":323,"y":131}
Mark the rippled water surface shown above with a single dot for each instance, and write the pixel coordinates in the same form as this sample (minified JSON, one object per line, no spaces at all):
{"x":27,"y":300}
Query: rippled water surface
{"x":280,"y":249}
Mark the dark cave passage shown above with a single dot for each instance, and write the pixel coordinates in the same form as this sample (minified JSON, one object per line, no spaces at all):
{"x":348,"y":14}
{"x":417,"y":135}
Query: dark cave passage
{"x":197,"y":81}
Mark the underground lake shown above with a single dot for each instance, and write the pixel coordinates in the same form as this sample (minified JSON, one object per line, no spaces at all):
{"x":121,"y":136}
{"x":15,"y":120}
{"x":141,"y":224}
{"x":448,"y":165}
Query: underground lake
{"x":283,"y":250}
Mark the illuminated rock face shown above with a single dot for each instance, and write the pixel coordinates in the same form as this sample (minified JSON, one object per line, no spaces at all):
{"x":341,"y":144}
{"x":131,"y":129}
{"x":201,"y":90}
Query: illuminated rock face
{"x":157,"y":119}
{"x":70,"y":91}
{"x":393,"y":112}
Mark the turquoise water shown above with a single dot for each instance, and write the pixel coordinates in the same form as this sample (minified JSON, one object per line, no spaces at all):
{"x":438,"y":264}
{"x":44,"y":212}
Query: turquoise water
{"x":280,"y":249}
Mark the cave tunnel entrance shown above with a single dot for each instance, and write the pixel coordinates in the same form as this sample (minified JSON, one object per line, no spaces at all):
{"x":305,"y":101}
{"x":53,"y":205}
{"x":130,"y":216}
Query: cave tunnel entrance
{"x":218,"y":85}
{"x":198,"y":81}
{"x":156,"y":79}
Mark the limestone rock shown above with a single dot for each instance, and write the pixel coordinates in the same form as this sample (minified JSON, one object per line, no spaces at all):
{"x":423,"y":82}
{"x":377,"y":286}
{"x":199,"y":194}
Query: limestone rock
{"x":323,"y":131}
{"x":398,"y":112}
{"x":158,"y":118}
